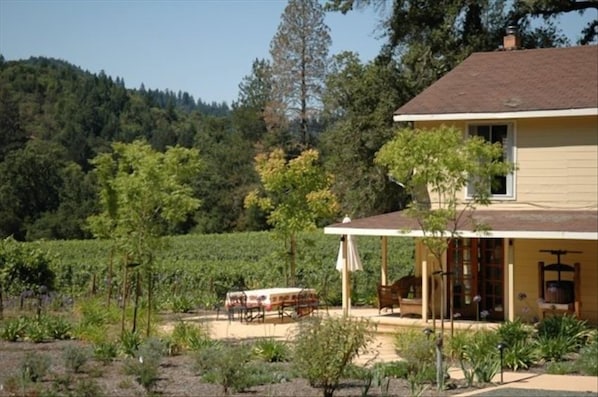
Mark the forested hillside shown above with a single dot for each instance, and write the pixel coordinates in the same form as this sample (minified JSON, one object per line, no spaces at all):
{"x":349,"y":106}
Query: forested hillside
{"x":55,"y":117}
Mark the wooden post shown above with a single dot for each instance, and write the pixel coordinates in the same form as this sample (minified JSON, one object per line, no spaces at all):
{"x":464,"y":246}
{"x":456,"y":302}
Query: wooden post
{"x":346,"y":280}
{"x":425,"y":295}
{"x":577,"y":290}
{"x":510,"y":280}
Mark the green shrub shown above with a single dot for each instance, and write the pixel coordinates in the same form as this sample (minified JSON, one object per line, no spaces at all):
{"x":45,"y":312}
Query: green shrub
{"x":87,"y":388}
{"x":324,"y":347}
{"x":419,"y":352}
{"x":477,"y":354}
{"x":226,"y":365}
{"x":58,"y":327}
{"x":35,"y":366}
{"x":520,"y":352}
{"x":130,"y":342}
{"x":556,"y":348}
{"x":416,"y":348}
{"x":75,"y":357}
{"x":566,"y":326}
{"x":520,"y":355}
{"x":560,"y":367}
{"x":512,"y":332}
{"x":382,"y":373}
{"x":271,"y":350}
{"x":36,"y":331}
{"x":587,"y":363}
{"x":145,"y":366}
{"x":105,"y":352}
{"x":13,"y":329}
{"x":181,"y":304}
{"x":263,"y":373}
{"x":189,"y":336}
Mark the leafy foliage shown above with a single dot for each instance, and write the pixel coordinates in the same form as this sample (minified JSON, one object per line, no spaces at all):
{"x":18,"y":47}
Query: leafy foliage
{"x":226,"y":365}
{"x":324,"y":348}
{"x":477,"y":354}
{"x":271,"y":350}
{"x":296,"y":195}
{"x":24,"y":269}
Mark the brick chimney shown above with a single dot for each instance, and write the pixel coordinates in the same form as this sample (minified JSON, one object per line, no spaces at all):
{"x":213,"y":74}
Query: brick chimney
{"x":511,"y":41}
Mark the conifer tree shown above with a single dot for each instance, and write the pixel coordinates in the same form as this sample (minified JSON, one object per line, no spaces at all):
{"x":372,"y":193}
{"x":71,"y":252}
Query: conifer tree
{"x":299,"y":53}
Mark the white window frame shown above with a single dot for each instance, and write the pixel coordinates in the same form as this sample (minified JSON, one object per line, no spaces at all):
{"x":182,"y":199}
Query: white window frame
{"x":510,"y":151}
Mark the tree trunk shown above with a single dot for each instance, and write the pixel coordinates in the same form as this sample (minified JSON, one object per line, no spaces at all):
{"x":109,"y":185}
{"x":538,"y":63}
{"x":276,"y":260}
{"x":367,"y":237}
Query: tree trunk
{"x":293,"y":254}
{"x":109,"y":281}
{"x":149,"y":299}
{"x":124,"y":300}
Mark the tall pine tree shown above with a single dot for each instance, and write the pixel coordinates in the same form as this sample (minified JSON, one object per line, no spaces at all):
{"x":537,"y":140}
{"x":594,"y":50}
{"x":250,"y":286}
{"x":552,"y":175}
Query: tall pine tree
{"x":299,"y":53}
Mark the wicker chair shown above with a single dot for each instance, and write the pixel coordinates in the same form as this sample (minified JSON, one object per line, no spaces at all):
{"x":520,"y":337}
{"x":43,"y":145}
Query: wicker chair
{"x":388,"y":297}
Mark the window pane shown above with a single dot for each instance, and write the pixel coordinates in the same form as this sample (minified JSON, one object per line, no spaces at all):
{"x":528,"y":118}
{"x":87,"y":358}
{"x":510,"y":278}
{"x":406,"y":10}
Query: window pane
{"x":484,"y":132}
{"x":499,"y":133}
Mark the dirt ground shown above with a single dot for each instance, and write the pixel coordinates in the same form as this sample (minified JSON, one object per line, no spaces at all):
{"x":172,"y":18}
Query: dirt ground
{"x":176,"y":378}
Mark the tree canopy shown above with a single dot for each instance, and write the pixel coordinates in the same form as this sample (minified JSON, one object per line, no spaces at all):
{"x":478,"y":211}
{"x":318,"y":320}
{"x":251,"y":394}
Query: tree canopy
{"x":296,"y":194}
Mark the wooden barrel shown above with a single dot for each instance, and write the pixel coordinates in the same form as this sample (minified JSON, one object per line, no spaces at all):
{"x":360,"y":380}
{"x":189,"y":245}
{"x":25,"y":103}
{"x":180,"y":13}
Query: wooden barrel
{"x":559,"y":291}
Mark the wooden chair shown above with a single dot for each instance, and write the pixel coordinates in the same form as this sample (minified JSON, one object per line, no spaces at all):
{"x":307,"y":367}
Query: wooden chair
{"x":304,"y":304}
{"x":237,"y":305}
{"x":388,"y":297}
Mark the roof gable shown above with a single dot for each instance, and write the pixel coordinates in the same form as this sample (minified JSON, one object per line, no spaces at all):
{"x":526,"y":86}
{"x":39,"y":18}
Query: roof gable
{"x":514,"y":81}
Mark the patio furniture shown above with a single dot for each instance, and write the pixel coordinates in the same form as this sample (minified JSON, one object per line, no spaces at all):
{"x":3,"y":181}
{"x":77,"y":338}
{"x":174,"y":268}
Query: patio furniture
{"x":259,"y":302}
{"x":410,"y":296}
{"x":304,"y":303}
{"x":236,"y":304}
{"x":388,"y":297}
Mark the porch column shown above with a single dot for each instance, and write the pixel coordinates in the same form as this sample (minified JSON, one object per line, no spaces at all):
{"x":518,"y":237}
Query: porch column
{"x":346,"y":280}
{"x":384,"y":267}
{"x":510,"y":280}
{"x":425,"y":297}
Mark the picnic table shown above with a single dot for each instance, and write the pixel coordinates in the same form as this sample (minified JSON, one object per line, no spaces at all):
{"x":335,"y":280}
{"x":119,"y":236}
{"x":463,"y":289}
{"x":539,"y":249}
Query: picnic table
{"x":288,"y":301}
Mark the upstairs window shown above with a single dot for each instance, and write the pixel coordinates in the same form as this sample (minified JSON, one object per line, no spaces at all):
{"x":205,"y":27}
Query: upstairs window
{"x":502,"y":186}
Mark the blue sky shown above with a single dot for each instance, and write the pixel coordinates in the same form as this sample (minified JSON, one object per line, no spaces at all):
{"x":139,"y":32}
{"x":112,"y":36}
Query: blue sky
{"x":204,"y":47}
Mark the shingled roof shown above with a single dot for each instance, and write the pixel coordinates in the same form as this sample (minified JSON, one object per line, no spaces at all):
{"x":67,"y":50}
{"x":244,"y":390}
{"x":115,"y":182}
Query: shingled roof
{"x":549,"y":79}
{"x":582,"y":225}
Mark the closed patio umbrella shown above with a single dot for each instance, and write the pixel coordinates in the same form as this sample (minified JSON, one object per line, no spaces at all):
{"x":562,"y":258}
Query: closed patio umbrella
{"x":347,"y":261}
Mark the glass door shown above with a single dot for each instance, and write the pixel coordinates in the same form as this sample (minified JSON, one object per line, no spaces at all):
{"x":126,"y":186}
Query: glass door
{"x":463,"y":274}
{"x":492,"y":278}
{"x":476,"y":272}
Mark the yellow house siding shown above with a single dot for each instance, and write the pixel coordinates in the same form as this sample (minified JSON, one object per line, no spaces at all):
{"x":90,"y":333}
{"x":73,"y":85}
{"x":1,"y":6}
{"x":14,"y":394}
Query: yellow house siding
{"x":526,"y":278}
{"x":557,"y":161}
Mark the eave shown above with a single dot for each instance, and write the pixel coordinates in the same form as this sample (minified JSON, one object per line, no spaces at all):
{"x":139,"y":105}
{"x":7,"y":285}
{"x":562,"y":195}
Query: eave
{"x":559,"y":225}
{"x":497,"y":115}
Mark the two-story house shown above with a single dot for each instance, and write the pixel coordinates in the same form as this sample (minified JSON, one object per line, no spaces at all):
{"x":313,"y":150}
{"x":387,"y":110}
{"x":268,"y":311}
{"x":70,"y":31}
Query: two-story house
{"x":541,"y":255}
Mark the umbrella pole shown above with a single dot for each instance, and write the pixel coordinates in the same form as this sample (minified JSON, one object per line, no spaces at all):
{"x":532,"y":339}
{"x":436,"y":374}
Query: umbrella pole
{"x":346,"y":280}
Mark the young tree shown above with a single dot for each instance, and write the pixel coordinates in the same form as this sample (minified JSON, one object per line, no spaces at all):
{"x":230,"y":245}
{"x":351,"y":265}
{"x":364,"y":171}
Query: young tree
{"x":435,"y":165}
{"x":299,"y":53}
{"x":142,"y":193}
{"x":297,"y":195}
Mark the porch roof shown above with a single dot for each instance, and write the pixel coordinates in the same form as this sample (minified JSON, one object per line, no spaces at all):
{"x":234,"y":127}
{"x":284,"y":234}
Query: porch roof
{"x":530,"y":224}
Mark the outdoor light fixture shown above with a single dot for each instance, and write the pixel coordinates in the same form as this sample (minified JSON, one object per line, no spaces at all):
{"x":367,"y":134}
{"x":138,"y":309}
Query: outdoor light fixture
{"x":501,"y":347}
{"x":428,"y":332}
